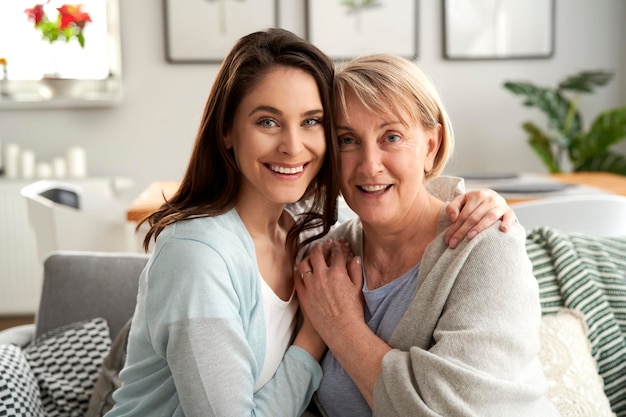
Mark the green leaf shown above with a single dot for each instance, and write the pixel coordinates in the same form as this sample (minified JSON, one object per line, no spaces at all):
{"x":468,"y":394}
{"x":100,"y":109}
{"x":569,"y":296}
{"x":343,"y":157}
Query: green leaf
{"x":608,"y":129}
{"x":542,"y":144}
{"x":587,"y":151}
{"x":361,"y":4}
{"x":550,"y":102}
{"x":585,"y":81}
{"x":606,"y":162}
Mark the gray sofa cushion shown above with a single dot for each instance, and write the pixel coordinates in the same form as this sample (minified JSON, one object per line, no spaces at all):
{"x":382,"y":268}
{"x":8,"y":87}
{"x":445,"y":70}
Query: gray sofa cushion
{"x":84,"y":285}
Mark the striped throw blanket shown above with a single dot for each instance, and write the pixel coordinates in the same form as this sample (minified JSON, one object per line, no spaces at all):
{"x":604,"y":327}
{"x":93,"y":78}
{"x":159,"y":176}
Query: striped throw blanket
{"x":588,"y":274}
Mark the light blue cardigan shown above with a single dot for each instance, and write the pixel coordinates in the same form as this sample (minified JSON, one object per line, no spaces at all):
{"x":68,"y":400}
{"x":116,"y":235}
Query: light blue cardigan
{"x":197,"y":340}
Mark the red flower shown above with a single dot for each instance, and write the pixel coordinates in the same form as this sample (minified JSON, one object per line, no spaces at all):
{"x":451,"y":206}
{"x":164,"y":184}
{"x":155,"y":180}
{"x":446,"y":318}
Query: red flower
{"x":68,"y":23}
{"x":73,"y":14}
{"x":36,"y":13}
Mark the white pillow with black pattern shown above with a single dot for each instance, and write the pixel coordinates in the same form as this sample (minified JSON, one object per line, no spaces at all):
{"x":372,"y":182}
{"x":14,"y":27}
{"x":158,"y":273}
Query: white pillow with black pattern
{"x":65,"y":362}
{"x":19,"y":392}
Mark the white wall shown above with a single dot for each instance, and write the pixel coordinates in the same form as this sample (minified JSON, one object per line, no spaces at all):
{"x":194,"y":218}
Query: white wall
{"x":487,"y":118}
{"x":149,"y":135}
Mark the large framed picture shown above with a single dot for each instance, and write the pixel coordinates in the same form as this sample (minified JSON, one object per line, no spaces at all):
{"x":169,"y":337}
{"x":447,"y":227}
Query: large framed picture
{"x":344,"y":29}
{"x":498,"y":29}
{"x":204,"y":31}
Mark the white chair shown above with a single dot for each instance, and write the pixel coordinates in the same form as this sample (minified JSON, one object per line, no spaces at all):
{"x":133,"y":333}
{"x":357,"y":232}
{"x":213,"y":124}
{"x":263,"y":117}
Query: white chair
{"x":596,"y":214}
{"x":56,"y":214}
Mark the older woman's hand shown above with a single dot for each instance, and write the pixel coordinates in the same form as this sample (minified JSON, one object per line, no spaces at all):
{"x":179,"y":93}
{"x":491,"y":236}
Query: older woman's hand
{"x":330,"y":293}
{"x":329,"y":290}
{"x":474,"y":212}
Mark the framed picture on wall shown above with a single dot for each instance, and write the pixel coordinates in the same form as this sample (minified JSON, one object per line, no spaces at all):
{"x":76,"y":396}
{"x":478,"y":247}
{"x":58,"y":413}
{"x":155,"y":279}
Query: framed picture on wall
{"x":498,"y":29}
{"x":203,"y":31}
{"x":345,"y":29}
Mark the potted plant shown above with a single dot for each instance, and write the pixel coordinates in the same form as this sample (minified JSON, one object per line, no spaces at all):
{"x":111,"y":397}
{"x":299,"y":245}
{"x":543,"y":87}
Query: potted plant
{"x":566,"y":137}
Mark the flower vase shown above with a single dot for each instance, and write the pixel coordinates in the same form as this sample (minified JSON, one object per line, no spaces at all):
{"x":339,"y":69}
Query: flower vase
{"x":55,"y":80}
{"x":4,"y":81}
{"x":59,"y":87}
{"x":4,"y":88}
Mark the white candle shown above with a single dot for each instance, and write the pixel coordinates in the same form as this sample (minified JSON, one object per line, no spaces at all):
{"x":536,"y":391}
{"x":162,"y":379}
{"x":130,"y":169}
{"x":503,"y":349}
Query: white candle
{"x":76,"y":162}
{"x":27,"y":163}
{"x":59,"y":167}
{"x":44,"y":170}
{"x":12,"y":160}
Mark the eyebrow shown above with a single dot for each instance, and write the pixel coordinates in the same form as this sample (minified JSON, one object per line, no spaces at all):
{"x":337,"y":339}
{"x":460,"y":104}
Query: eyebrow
{"x":275,"y":111}
{"x":380,"y":126}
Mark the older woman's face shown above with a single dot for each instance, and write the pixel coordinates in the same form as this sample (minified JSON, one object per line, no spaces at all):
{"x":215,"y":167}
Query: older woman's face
{"x":383,"y":163}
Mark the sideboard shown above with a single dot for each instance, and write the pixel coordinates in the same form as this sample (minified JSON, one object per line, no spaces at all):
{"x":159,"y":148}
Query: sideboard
{"x":20,"y":266}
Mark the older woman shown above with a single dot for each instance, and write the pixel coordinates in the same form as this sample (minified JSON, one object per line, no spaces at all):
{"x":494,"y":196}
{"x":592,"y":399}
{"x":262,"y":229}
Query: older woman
{"x":415,"y":328}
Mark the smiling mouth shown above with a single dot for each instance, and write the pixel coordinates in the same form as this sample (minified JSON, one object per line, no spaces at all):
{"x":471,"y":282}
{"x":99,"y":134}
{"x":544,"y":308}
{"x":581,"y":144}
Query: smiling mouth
{"x":286,"y":170}
{"x":374,"y":189}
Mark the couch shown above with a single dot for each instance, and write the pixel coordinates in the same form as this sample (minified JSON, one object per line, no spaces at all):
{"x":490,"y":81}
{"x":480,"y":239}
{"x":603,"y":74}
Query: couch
{"x":91,"y":296}
{"x":84,"y":295}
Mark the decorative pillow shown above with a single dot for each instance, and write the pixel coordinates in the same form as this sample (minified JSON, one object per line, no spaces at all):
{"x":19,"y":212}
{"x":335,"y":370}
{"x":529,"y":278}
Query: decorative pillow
{"x":20,"y":335}
{"x":19,"y":393}
{"x":574,"y":385}
{"x":108,"y":381}
{"x":65,"y":362}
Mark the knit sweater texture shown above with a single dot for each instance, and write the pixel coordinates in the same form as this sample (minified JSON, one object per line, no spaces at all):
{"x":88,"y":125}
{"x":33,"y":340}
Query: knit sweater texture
{"x":468,"y":343}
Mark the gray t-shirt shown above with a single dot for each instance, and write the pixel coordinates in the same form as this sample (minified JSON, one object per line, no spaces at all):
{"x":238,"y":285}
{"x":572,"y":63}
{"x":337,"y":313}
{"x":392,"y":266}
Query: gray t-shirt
{"x":384,"y":307}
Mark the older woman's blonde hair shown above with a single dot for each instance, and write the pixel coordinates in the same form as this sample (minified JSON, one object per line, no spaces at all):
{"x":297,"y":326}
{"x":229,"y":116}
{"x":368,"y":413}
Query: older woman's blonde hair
{"x":394,"y":86}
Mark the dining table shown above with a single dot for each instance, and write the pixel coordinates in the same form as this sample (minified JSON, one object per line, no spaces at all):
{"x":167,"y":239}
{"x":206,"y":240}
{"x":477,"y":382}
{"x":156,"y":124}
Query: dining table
{"x":150,"y":199}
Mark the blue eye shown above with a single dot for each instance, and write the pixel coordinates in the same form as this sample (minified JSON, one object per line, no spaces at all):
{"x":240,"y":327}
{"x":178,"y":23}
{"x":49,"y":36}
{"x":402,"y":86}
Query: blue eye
{"x":345,"y":140}
{"x":267,"y":123}
{"x":311,"y":122}
{"x":393,"y":138}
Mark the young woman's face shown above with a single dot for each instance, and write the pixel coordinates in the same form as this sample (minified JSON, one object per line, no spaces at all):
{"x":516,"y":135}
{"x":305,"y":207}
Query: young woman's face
{"x":383,"y":163}
{"x":278,"y":137}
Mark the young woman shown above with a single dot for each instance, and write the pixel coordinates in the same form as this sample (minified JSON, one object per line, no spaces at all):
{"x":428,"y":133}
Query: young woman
{"x":216,"y":309}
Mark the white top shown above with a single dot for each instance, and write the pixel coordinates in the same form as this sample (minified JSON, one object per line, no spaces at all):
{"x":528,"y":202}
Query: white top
{"x":280,"y":323}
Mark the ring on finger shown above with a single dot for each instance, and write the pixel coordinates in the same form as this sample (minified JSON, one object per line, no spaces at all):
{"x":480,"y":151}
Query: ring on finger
{"x":304,"y":273}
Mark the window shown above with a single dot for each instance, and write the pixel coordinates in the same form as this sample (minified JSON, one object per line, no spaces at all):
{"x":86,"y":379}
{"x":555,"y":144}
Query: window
{"x":29,"y":57}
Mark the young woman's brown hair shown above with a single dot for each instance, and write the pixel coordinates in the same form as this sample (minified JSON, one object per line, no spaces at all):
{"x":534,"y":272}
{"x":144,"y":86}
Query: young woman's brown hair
{"x":211,"y":185}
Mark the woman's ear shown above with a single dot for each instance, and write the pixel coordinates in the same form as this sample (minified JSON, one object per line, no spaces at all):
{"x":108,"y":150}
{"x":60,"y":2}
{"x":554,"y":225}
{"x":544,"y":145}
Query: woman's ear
{"x":228,"y":143}
{"x":432,"y":147}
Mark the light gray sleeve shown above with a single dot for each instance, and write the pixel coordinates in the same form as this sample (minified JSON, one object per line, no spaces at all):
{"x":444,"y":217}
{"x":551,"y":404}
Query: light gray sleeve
{"x":211,"y":364}
{"x":479,"y":356}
